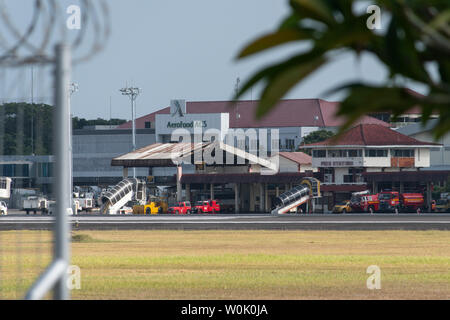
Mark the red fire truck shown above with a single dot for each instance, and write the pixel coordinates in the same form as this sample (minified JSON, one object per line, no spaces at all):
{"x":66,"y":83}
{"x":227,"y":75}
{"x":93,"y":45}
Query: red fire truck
{"x":209,"y":206}
{"x":387,"y":201}
{"x":392,"y":201}
{"x":364,"y":202}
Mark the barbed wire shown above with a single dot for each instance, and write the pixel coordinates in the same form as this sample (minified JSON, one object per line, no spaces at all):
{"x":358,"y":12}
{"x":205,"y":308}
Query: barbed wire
{"x":19,"y":47}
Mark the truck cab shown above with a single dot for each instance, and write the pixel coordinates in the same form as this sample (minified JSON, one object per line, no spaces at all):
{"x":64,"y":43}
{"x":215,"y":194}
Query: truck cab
{"x":365,"y":203}
{"x":389,"y":201}
{"x":207,"y":206}
{"x":180,"y":208}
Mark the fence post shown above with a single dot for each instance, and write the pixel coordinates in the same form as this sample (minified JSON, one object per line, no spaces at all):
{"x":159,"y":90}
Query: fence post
{"x":63,"y":155}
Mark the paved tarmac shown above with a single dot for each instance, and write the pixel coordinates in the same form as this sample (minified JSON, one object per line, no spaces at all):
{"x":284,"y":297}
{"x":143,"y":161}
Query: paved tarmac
{"x":423,"y":221}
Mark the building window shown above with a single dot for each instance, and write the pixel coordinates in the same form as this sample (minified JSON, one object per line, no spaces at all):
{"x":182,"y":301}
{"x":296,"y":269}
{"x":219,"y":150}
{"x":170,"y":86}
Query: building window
{"x":403,"y":153}
{"x":354,"y":153}
{"x":319,"y":153}
{"x":14,"y":170}
{"x":148,"y":124}
{"x":45,"y":169}
{"x":290,"y":144}
{"x":376,"y":153}
{"x":328,"y":174}
{"x":334,"y":153}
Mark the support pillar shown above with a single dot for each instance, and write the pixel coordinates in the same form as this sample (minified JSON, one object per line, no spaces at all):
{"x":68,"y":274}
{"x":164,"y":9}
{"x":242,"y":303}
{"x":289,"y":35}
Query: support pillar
{"x":188,"y":192}
{"x":179,"y":187}
{"x":236,"y":198}
{"x":266,"y":197}
{"x":429,"y":196}
{"x":252,"y":197}
{"x":261,"y":198}
{"x":211,"y":191}
{"x":125,"y":172}
{"x":374,"y":187}
{"x":402,"y":186}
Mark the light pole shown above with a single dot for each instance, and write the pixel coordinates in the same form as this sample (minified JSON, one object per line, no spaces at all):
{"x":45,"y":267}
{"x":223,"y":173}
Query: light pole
{"x":73,"y":87}
{"x":133,"y":93}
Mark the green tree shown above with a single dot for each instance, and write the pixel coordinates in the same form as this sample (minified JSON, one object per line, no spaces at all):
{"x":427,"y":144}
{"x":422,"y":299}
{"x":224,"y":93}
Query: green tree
{"x":79,"y":123}
{"x":314,"y":137}
{"x":27,"y":128}
{"x":417,"y":36}
{"x":318,"y":136}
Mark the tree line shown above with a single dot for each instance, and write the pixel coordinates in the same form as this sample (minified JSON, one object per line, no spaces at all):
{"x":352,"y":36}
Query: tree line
{"x":27,"y":129}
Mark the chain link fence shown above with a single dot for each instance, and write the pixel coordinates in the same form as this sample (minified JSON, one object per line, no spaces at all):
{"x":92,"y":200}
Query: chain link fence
{"x":34,"y":82}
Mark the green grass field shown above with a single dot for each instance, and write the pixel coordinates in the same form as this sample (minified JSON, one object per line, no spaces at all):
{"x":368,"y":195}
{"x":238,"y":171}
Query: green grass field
{"x":238,"y":264}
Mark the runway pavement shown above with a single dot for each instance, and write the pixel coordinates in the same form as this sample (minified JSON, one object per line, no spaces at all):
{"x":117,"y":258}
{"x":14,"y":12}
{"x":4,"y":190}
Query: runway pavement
{"x":424,"y":221}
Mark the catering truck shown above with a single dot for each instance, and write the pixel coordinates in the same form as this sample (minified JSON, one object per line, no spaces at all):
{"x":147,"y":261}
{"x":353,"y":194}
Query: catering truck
{"x":34,"y":204}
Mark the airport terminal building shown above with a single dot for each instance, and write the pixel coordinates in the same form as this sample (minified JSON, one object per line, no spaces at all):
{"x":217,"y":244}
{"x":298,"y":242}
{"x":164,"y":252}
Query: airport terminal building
{"x":94,"y":147}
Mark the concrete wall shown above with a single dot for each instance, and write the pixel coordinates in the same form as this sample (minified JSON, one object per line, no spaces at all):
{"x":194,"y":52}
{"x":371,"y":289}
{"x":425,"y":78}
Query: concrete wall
{"x":438,"y":156}
{"x":422,"y":157}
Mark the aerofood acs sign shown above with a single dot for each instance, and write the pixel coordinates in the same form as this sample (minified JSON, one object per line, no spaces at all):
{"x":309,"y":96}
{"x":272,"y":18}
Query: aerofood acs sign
{"x":167,"y":123}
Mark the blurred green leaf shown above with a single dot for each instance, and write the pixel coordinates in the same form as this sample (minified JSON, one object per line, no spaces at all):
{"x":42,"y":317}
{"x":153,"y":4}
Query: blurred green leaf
{"x":416,"y":38}
{"x":269,"y":41}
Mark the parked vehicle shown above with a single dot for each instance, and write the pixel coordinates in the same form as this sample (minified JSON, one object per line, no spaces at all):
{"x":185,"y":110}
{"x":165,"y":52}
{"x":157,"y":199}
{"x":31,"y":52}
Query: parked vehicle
{"x":208,"y":206}
{"x":342,"y":207}
{"x":365,"y":203}
{"x":3,"y":208}
{"x":389,"y":201}
{"x":126,"y":210}
{"x":85,"y":201}
{"x":35,"y":203}
{"x":181,"y":208}
{"x":442,"y":205}
{"x":392,"y":201}
{"x":153,"y":207}
{"x":410,"y":202}
{"x":86,"y":204}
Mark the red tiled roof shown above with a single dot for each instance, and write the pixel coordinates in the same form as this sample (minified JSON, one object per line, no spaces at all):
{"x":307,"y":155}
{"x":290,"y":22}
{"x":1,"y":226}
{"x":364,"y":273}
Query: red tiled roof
{"x":297,"y":157}
{"x":371,"y":135}
{"x":288,"y":113}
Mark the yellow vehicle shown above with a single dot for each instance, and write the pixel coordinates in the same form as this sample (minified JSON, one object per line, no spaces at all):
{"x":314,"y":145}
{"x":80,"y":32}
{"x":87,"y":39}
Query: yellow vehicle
{"x":153,"y":207}
{"x":442,"y":205}
{"x":342,"y":207}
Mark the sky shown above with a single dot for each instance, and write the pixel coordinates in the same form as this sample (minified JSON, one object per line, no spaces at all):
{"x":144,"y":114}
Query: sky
{"x":178,"y":49}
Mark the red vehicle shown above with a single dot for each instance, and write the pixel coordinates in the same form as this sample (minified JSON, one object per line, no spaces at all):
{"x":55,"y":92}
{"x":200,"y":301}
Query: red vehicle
{"x":392,"y":201}
{"x":389,"y":201}
{"x":180,"y":208}
{"x":412,"y":202}
{"x":364,"y":202}
{"x":208,"y":206}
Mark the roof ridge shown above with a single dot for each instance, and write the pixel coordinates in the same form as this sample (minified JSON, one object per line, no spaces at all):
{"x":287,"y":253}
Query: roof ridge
{"x":321,"y":113}
{"x":362,"y":134}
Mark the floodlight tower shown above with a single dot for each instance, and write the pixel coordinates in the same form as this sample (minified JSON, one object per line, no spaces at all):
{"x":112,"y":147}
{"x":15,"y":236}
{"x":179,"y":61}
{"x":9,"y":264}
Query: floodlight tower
{"x":73,"y":87}
{"x":133,"y":93}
